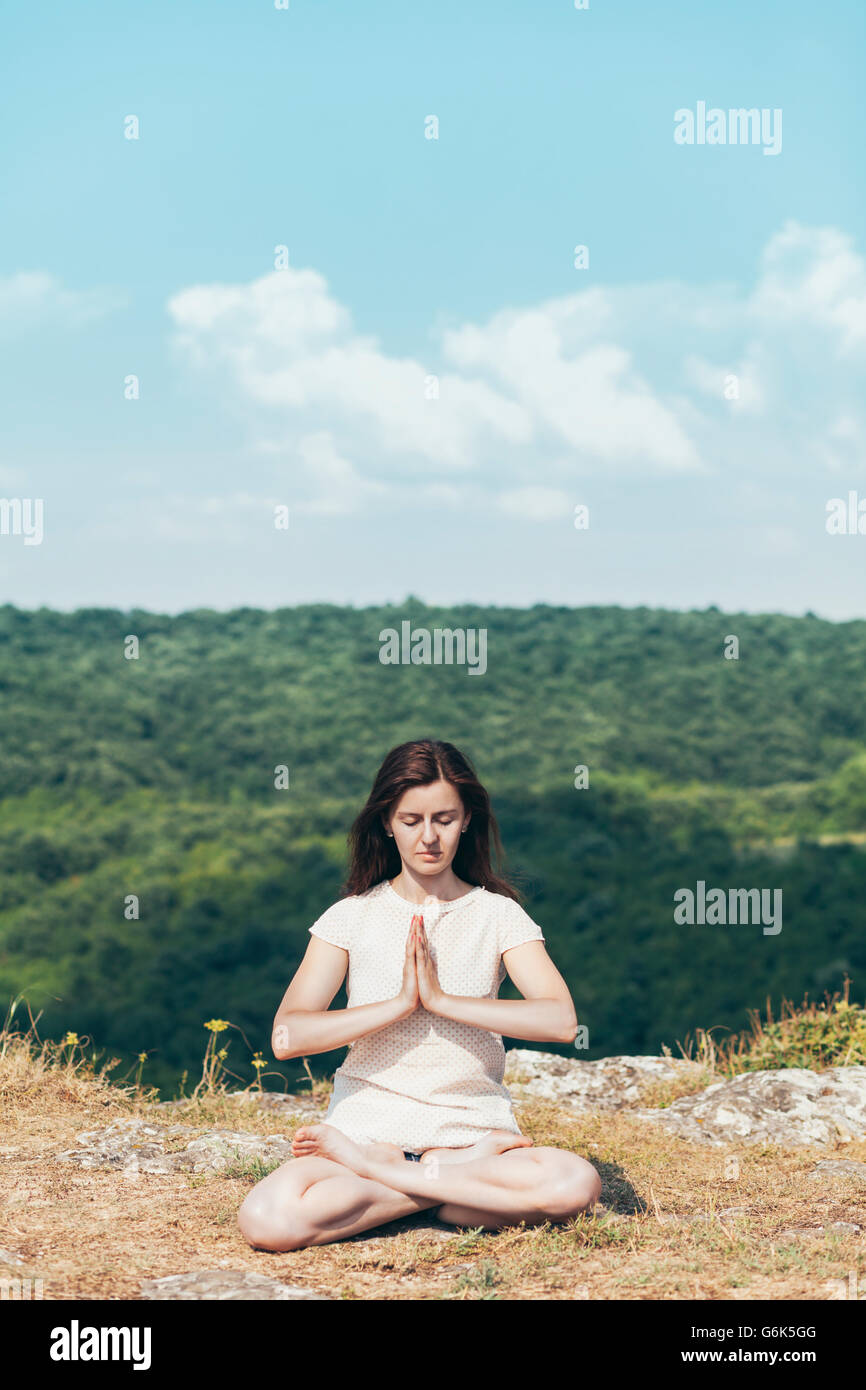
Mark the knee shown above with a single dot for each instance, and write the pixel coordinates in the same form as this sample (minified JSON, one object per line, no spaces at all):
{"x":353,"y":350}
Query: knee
{"x":574,"y":1189}
{"x":266,"y":1228}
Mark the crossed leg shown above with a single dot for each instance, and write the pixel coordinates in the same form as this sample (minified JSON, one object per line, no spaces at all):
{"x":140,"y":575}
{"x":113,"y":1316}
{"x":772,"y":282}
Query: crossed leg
{"x":336,"y":1188}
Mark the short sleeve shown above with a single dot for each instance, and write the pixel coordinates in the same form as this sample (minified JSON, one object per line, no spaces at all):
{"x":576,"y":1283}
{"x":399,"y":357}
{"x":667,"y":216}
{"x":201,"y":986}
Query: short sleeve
{"x":516,"y":927}
{"x":335,"y":925}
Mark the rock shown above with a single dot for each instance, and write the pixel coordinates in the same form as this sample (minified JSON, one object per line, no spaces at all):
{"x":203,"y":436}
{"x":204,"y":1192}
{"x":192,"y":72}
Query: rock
{"x":612,"y":1083}
{"x":842,"y":1228}
{"x":790,"y":1107}
{"x":836,"y":1168}
{"x":289,"y":1106}
{"x":225,"y":1284}
{"x":134,"y":1146}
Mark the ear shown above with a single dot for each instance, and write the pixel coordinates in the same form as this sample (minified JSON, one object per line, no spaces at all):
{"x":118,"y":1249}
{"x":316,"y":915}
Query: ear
{"x":466,"y":821}
{"x":386,"y":827}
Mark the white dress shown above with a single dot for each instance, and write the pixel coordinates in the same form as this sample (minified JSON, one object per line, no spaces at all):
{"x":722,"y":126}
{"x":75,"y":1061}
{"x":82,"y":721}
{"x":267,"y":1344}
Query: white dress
{"x":424,"y":1081}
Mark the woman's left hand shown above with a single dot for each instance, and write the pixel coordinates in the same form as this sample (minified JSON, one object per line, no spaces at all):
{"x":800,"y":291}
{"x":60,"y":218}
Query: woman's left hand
{"x":430,"y":991}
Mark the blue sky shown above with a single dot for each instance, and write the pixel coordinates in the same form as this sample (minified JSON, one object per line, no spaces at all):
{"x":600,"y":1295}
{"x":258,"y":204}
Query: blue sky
{"x":410,"y":258}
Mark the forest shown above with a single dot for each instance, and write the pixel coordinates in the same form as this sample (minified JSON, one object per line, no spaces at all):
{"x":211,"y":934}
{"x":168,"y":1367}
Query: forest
{"x":144,"y":771}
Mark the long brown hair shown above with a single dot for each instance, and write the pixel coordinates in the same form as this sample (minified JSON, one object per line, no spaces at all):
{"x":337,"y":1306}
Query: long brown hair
{"x":373,"y":855}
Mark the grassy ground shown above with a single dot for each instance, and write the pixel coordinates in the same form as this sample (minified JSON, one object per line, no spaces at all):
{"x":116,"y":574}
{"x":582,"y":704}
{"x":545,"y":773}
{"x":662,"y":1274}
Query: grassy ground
{"x":98,"y":1234}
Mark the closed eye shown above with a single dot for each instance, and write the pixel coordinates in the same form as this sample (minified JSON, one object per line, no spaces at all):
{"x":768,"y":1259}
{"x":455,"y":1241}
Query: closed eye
{"x":415,"y":819}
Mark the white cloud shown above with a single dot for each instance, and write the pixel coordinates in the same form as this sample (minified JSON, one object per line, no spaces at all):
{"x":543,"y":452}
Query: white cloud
{"x":623,"y":383}
{"x":592,"y":399}
{"x":814,"y":276}
{"x":31,"y":298}
{"x":337,"y":486}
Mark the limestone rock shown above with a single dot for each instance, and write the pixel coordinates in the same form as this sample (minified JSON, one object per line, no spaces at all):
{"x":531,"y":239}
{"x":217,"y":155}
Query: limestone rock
{"x":841,"y":1228}
{"x":835,"y":1168}
{"x":792,"y":1106}
{"x":225,"y":1284}
{"x":612,"y":1083}
{"x":136,"y":1146}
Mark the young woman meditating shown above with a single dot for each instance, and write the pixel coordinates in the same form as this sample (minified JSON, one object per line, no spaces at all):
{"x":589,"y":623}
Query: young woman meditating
{"x":419,"y":1115}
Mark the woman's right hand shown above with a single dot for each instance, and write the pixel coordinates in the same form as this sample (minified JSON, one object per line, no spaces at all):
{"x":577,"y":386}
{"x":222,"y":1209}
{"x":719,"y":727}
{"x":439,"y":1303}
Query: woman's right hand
{"x":409,"y":995}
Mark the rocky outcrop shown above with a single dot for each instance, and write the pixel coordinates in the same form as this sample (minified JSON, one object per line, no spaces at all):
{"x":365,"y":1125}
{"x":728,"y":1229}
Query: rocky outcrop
{"x":613,"y":1083}
{"x":134,"y":1146}
{"x":790,"y":1107}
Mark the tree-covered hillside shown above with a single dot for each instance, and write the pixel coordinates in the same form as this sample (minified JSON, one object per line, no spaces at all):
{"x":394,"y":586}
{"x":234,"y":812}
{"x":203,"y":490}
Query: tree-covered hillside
{"x":155,"y":777}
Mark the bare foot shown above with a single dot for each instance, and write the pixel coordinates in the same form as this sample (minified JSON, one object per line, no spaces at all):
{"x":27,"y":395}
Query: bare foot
{"x":324,"y":1141}
{"x":496,"y":1142}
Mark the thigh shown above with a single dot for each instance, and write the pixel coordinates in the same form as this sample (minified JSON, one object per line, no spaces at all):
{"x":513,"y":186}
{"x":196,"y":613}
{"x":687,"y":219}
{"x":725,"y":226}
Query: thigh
{"x":314,"y":1201}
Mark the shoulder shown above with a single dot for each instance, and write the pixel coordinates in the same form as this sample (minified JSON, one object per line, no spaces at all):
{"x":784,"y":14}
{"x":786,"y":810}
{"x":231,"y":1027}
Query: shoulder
{"x":513,"y":922}
{"x":343,"y":907}
{"x":501,"y":904}
{"x":336,"y":923}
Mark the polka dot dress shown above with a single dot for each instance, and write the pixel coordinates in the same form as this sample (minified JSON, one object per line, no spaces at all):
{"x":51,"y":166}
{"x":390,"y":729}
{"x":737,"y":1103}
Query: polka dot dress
{"x":424,"y":1081}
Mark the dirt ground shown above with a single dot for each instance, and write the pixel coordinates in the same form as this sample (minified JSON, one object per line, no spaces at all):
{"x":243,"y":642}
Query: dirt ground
{"x":665,"y":1230}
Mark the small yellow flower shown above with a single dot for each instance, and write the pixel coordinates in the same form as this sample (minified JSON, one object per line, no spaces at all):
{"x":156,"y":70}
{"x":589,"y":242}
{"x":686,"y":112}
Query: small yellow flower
{"x":70,"y":1040}
{"x":142,"y":1056}
{"x":217,"y":1025}
{"x":258,"y":1062}
{"x":222,"y":1052}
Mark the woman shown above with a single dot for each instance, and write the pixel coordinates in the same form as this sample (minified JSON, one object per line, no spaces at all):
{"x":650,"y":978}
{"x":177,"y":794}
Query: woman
{"x":419,"y":1116}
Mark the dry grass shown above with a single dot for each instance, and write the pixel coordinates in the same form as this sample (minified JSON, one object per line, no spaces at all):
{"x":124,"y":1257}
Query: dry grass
{"x":817,"y":1036}
{"x":98,"y":1234}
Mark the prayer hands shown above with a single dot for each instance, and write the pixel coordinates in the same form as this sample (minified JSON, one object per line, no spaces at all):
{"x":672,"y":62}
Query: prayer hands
{"x":420,"y":980}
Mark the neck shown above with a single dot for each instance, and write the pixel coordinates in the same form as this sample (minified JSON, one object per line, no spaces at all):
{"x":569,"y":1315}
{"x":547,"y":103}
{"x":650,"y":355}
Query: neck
{"x":416,"y":887}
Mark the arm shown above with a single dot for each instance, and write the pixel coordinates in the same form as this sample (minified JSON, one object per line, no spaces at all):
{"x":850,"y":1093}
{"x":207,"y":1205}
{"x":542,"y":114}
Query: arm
{"x":303,"y":1024}
{"x":544,"y":1014}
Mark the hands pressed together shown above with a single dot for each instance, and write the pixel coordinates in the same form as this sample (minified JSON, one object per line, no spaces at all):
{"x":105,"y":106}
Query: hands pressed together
{"x":420,"y":981}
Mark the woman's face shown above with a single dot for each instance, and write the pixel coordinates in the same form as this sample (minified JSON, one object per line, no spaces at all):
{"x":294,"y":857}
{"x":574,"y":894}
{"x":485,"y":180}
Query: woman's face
{"x":426,"y":824}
